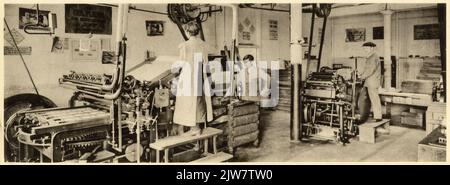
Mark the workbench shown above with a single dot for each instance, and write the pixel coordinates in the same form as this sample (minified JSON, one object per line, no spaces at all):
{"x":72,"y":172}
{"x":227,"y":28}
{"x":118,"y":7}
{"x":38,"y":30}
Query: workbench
{"x":412,"y":99}
{"x":398,"y":103}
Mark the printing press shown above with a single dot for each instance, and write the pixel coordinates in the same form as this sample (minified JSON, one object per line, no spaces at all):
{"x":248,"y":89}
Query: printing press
{"x":114,"y":115}
{"x":334,"y":103}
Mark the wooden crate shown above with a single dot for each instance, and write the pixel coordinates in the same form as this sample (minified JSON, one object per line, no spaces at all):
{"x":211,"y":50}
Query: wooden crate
{"x":431,"y":153}
{"x":435,"y":113}
{"x":240,"y":126}
{"x":243,"y":124}
{"x":412,"y":119}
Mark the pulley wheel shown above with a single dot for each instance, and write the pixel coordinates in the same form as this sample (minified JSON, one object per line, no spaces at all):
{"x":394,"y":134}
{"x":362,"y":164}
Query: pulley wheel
{"x":323,"y":10}
{"x":130,"y":152}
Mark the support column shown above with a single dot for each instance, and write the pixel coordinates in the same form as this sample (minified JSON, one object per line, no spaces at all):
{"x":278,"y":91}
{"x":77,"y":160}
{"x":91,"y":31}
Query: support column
{"x":387,"y":48}
{"x":296,"y":69}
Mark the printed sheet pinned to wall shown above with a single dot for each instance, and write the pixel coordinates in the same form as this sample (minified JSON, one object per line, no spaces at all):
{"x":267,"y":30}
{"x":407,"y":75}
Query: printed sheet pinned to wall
{"x":85,"y":49}
{"x":11,"y":50}
{"x":58,"y":45}
{"x":18,"y":38}
{"x":83,"y":18}
{"x":247,"y":31}
{"x":273,"y":29}
{"x":16,"y":35}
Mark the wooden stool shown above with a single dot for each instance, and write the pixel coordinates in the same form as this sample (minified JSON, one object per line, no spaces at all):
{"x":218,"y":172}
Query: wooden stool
{"x":368,"y":131}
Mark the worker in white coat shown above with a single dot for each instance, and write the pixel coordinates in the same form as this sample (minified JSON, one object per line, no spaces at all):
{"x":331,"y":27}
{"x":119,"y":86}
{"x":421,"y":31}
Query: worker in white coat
{"x":193,"y":104}
{"x":372,"y":77}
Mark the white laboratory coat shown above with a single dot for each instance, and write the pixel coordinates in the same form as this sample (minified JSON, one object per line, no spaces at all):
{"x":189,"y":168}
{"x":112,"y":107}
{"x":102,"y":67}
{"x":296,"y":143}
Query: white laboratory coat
{"x":192,"y":104}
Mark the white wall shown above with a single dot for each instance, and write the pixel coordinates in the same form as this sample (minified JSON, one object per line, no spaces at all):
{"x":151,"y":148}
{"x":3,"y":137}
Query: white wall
{"x":402,"y":47}
{"x":268,"y":50}
{"x":327,"y":44}
{"x":407,"y":44}
{"x":47,"y":67}
{"x":273,"y":50}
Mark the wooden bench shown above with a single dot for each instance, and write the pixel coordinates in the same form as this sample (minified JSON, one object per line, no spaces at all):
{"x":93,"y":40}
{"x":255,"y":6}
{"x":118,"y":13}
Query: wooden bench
{"x":173,"y":141}
{"x":368,"y":131}
{"x":214,"y":158}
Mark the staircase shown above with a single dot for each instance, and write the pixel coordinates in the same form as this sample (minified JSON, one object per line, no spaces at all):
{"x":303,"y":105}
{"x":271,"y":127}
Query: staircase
{"x":431,"y":70}
{"x":208,"y":134}
{"x":284,"y":103}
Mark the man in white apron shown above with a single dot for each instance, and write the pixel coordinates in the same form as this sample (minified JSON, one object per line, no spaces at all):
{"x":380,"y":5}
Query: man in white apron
{"x":193,"y":104}
{"x":372,"y":77}
{"x":254,"y":82}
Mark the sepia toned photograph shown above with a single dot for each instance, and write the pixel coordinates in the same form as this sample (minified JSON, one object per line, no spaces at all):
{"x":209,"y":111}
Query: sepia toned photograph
{"x":283,"y":83}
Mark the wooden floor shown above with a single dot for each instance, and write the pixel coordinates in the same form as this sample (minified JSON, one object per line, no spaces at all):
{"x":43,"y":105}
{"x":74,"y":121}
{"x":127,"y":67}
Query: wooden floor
{"x":399,"y":146}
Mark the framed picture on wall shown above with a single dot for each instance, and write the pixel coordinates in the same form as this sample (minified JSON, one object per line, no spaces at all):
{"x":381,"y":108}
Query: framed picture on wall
{"x":87,"y":18}
{"x":28,"y":17}
{"x":426,"y":31}
{"x":154,"y":28}
{"x":378,"y":32}
{"x":355,"y":35}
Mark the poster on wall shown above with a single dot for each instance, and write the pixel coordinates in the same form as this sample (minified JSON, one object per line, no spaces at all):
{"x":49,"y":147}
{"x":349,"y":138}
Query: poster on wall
{"x":378,"y":33}
{"x":84,"y":18}
{"x":154,"y":28}
{"x":426,"y":31}
{"x":58,"y":45}
{"x":355,"y":35}
{"x":28,"y":17}
{"x":108,"y":57}
{"x":85,"y":49}
{"x":12,"y":50}
{"x":16,"y":36}
{"x":247,"y":31}
{"x":273,"y":29}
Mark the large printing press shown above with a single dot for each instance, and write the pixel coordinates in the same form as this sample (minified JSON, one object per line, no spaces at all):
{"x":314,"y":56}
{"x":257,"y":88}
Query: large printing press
{"x":112,"y":117}
{"x":115,"y":118}
{"x":119,"y":118}
{"x":334,"y":104}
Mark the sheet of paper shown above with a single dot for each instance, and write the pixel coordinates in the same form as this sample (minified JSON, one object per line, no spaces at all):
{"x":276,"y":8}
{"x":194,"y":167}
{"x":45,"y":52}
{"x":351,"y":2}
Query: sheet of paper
{"x":85,"y":45}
